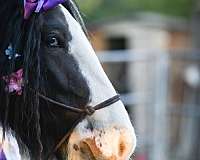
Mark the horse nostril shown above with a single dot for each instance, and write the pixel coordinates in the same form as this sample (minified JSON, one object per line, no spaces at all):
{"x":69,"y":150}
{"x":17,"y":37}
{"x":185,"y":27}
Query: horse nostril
{"x":76,"y":147}
{"x":122,"y":148}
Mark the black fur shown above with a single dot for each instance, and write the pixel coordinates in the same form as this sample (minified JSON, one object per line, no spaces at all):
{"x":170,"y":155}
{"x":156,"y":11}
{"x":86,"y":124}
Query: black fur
{"x":47,"y":70}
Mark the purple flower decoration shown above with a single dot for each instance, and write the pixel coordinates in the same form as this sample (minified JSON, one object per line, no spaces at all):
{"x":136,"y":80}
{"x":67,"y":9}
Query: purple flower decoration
{"x":2,"y":155}
{"x":31,"y":6}
{"x":14,"y":82}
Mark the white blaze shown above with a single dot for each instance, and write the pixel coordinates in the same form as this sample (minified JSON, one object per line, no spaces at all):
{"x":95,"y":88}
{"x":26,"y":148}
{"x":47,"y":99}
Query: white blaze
{"x":100,"y":87}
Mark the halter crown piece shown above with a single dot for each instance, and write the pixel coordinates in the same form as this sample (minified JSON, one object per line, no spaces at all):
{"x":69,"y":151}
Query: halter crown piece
{"x":37,"y":6}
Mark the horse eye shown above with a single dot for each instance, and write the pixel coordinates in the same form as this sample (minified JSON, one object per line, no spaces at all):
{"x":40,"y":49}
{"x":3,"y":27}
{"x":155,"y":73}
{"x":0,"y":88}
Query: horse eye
{"x":53,"y":42}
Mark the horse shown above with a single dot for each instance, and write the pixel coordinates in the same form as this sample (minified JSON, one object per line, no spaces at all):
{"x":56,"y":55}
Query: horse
{"x":56,"y":101}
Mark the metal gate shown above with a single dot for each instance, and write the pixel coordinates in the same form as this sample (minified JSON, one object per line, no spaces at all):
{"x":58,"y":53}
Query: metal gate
{"x":161,"y":90}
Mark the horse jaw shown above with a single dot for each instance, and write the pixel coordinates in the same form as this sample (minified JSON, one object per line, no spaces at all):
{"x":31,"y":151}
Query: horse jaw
{"x":108,"y":134}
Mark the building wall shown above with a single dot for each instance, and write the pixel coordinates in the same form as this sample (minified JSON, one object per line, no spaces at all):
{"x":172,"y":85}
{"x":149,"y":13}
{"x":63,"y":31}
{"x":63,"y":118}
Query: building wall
{"x":179,"y":40}
{"x":140,"y":37}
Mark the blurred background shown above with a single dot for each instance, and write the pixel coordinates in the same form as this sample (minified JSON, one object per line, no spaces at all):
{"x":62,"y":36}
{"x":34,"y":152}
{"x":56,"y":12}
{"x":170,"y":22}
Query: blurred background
{"x":150,"y":51}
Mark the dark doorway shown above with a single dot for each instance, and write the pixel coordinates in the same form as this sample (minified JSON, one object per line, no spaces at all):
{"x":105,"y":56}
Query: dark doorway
{"x":118,"y":71}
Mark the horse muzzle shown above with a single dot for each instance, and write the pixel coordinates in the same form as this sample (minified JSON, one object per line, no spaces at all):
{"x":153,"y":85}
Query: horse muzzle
{"x":113,"y":143}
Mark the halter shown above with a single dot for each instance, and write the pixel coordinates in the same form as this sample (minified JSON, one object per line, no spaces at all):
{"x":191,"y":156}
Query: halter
{"x":87,"y":111}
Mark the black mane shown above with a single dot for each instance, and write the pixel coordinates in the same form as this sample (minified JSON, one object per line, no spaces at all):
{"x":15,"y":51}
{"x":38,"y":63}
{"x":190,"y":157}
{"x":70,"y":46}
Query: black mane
{"x":21,"y":112}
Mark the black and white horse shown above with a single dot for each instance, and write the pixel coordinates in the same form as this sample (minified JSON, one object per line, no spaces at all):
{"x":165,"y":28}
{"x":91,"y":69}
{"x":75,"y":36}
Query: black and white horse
{"x":47,"y":59}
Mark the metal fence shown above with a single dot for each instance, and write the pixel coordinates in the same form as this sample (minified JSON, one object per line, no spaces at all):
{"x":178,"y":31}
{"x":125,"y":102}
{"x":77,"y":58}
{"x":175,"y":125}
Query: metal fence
{"x":161,"y":90}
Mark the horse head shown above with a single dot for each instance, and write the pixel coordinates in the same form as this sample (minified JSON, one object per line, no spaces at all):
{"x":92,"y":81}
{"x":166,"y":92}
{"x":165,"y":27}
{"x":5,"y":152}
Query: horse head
{"x":57,"y":76}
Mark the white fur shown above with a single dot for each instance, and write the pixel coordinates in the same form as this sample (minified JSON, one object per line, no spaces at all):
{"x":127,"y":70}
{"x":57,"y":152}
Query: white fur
{"x":100,"y":87}
{"x":10,"y":146}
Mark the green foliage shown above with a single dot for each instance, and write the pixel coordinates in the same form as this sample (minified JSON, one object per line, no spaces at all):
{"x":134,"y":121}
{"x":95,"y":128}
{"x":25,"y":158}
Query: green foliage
{"x":98,"y":9}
